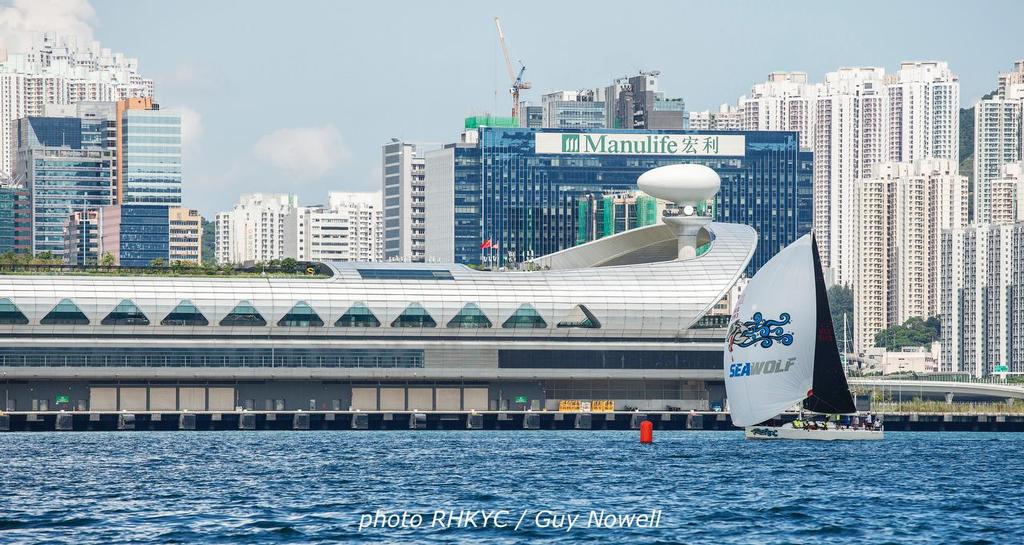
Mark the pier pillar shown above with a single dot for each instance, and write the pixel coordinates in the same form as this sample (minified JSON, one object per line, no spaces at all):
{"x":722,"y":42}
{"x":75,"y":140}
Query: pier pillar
{"x":584,"y":421}
{"x":187,"y":421}
{"x":636,"y":419}
{"x":125,"y":422}
{"x":694,"y":422}
{"x":300,"y":421}
{"x":949,"y":398}
{"x":475,"y":421}
{"x":360,"y":421}
{"x":531,"y":421}
{"x":247,"y":421}
{"x":417,"y":421}
{"x":5,"y":422}
{"x":64,"y":422}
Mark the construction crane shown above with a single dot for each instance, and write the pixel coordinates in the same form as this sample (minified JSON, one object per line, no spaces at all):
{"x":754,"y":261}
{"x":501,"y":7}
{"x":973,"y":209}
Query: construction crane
{"x":518,"y":83}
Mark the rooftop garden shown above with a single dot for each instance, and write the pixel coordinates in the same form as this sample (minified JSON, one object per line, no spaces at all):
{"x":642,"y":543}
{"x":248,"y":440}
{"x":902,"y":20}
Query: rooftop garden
{"x":48,"y":264}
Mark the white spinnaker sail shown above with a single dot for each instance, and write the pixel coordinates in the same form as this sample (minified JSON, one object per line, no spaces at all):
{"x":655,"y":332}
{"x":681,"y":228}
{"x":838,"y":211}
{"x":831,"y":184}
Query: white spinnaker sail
{"x":769,"y":352}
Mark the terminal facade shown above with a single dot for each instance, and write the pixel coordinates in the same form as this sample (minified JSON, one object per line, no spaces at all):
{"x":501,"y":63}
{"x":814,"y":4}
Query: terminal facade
{"x":623,"y":319}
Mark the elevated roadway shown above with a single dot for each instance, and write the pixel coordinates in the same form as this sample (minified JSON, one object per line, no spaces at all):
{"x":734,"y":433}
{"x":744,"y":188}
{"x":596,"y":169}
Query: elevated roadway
{"x":934,"y":389}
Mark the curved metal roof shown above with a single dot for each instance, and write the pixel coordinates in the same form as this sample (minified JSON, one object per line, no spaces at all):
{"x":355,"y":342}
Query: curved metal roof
{"x":639,"y":301}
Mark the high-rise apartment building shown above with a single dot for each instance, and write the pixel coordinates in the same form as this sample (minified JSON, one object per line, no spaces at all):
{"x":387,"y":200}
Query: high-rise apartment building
{"x":254,"y":230}
{"x":348,"y":228}
{"x":1007,"y":195}
{"x":983,"y":299}
{"x":898,"y":216}
{"x":998,"y":140}
{"x":572,"y":110}
{"x":923,"y":106}
{"x":64,"y":170}
{"x":849,"y":138}
{"x":185,"y":231}
{"x":403,"y":190}
{"x":56,"y":70}
{"x":727,"y":118}
{"x":853,"y":120}
{"x":785,"y":102}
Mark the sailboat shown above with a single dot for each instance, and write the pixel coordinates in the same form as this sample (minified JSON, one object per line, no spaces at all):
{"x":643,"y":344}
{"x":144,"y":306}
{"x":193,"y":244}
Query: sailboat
{"x":781,"y":351}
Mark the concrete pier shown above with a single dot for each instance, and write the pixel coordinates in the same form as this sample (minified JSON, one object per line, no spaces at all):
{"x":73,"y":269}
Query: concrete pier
{"x":126,"y":422}
{"x":450,"y":420}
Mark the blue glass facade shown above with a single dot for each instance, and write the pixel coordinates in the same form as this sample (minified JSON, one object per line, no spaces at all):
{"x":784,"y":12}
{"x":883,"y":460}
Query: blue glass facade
{"x":143,"y":235}
{"x":526,"y":202}
{"x":468,"y":226}
{"x":151,"y":157}
{"x":62,"y":172}
{"x":8,"y":204}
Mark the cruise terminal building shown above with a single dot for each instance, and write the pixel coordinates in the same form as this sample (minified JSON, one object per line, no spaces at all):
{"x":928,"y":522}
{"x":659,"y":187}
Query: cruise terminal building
{"x":627,"y":318}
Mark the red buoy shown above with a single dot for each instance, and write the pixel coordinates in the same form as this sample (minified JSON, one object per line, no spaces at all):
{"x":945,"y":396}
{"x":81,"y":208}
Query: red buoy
{"x":646,"y":432}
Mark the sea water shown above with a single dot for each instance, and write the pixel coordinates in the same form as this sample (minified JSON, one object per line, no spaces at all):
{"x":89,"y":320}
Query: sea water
{"x":507,"y":487}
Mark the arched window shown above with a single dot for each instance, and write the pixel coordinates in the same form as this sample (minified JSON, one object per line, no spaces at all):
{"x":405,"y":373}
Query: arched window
{"x":580,"y":317}
{"x":185,"y":314}
{"x":526,"y":317}
{"x":301,"y":315}
{"x":470,"y":316}
{"x":244,"y":315}
{"x":358,"y":315}
{"x":125,"y":313}
{"x":65,"y":313}
{"x":414,"y":315}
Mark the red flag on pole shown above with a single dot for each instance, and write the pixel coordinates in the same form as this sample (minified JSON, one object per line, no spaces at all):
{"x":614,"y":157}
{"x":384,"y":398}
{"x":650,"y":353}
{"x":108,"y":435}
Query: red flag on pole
{"x":486,"y":244}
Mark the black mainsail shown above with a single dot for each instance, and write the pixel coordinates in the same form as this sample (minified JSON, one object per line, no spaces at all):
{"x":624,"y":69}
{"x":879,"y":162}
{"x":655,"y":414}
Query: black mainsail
{"x":830,"y":392}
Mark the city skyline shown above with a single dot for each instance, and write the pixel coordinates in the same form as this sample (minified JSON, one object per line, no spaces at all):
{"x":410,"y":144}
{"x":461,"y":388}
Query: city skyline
{"x":248,"y":126}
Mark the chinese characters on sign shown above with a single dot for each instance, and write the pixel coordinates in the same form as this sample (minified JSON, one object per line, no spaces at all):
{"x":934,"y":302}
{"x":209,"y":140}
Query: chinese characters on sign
{"x":640,"y":144}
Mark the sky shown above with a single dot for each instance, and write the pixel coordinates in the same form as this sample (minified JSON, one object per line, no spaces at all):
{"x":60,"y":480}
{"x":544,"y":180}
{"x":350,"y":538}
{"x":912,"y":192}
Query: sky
{"x":298,"y":96}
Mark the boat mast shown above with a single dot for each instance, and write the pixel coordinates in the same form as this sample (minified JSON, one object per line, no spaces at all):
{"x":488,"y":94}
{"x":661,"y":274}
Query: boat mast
{"x":842,"y":356}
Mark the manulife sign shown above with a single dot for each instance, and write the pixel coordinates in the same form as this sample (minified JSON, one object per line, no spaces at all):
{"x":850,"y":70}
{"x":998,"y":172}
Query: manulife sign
{"x":732,"y":145}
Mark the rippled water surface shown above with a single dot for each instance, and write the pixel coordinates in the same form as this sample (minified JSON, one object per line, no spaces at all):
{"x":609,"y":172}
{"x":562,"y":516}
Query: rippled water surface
{"x":313,"y":487}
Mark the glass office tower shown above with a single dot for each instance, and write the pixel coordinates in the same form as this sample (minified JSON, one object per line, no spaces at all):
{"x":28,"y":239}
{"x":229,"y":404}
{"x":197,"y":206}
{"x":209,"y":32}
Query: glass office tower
{"x":62,"y":174}
{"x":520,"y":188}
{"x":150,"y":157}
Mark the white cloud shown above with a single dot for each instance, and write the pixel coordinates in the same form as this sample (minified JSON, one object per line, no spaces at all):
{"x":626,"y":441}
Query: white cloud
{"x":303,"y":152}
{"x":191,"y":128}
{"x":21,"y":22}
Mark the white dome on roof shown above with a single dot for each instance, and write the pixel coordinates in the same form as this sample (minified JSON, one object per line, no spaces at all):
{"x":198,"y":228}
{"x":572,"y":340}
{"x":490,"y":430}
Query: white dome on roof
{"x":680,"y":184}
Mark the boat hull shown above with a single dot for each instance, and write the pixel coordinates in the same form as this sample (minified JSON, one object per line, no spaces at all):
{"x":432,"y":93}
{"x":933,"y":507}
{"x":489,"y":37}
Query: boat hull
{"x":802,"y":434}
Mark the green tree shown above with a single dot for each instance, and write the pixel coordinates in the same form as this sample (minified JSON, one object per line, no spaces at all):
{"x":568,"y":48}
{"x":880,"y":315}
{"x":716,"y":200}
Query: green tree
{"x":46,"y":258}
{"x":912,"y":333}
{"x":840,"y":302}
{"x":107,"y":259}
{"x":158,"y":262}
{"x":289,"y":265}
